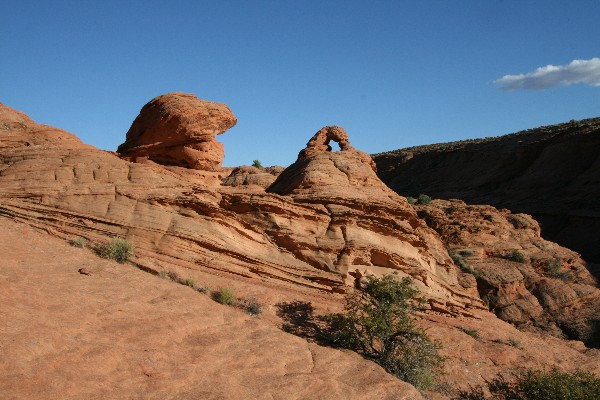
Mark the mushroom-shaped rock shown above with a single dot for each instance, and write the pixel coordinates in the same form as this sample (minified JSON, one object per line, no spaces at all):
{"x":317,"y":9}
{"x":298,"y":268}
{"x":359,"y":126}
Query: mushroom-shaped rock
{"x":349,"y":171}
{"x":179,"y":129}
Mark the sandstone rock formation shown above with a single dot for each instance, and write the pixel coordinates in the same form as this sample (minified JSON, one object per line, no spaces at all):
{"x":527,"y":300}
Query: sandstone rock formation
{"x":349,"y":172}
{"x":179,"y":129}
{"x":325,"y":222}
{"x":358,"y":226}
{"x":248,"y":176}
{"x":18,"y":130}
{"x":551,"y":173}
{"x":525,"y":280}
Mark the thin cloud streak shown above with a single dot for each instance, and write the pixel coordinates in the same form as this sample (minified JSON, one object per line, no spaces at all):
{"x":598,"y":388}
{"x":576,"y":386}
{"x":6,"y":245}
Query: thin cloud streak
{"x":577,"y":71}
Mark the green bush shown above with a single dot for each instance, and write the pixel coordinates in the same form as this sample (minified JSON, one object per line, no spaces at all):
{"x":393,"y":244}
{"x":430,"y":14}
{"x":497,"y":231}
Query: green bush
{"x":117,"y":249}
{"x":466,"y":252}
{"x":471,"y":332}
{"x":411,"y":200}
{"x":257,"y":164}
{"x":423,"y":199}
{"x":553,"y":269}
{"x":516,"y":256}
{"x":541,"y":385}
{"x":224,"y":296}
{"x":190,"y":282}
{"x":378,"y":323}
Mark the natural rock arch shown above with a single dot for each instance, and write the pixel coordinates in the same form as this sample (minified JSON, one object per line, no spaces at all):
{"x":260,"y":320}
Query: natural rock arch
{"x":319,"y":143}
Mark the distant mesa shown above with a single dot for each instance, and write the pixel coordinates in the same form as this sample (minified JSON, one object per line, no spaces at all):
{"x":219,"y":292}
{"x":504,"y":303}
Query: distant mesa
{"x":179,"y":129}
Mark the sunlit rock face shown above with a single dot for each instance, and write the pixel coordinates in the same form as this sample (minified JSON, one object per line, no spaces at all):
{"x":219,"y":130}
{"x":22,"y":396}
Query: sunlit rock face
{"x":179,"y":129}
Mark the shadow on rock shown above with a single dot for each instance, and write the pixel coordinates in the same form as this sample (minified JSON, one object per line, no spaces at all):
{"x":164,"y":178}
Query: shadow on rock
{"x":299,"y":319}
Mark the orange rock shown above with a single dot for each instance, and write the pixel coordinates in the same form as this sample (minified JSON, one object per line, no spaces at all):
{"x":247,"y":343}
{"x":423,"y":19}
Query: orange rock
{"x":328,"y":222}
{"x":550,"y":289}
{"x":179,"y":129}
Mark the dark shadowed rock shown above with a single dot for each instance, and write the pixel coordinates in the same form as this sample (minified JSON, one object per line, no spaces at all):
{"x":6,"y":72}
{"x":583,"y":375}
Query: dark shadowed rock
{"x":551,"y":173}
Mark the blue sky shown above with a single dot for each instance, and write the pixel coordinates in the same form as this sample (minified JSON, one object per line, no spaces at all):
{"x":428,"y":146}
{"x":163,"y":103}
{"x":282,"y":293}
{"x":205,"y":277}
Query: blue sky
{"x":393,"y":73}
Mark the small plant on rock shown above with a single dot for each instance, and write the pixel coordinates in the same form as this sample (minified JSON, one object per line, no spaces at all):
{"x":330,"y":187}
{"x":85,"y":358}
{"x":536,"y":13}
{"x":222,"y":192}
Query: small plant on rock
{"x":471,"y":332}
{"x":253,"y":307}
{"x":224,"y":296}
{"x":257,"y":164}
{"x":540,"y":385}
{"x":516,"y":256}
{"x":553,"y":269}
{"x":423,"y":199}
{"x":515,"y":343}
{"x":79,"y":242}
{"x":466,"y":252}
{"x":118,"y":249}
{"x":462,"y":263}
{"x":190,"y":282}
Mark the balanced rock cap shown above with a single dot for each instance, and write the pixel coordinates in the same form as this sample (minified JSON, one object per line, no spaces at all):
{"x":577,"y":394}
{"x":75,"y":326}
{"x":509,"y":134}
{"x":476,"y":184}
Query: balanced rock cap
{"x":179,"y":129}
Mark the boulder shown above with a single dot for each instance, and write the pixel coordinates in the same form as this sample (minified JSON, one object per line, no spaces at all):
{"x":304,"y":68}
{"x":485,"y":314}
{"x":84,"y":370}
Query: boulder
{"x":179,"y":129}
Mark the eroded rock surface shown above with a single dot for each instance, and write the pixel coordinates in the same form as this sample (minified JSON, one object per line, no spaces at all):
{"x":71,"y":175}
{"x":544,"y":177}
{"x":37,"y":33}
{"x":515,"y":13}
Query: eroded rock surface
{"x":252,"y":176}
{"x":309,"y":238}
{"x":356,"y":225}
{"x":179,"y":129}
{"x":526,"y":280}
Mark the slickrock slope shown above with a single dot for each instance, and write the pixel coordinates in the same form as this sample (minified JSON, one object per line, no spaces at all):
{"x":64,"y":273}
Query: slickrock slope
{"x":119,"y":333}
{"x":526,"y":280}
{"x":551,"y":173}
{"x":179,"y":129}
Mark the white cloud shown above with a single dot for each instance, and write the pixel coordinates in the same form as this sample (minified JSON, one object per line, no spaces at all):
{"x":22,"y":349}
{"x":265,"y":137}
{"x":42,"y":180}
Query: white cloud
{"x":577,"y":71}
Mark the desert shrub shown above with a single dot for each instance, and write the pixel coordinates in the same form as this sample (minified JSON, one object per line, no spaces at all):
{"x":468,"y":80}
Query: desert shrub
{"x":79,"y":242}
{"x":466,"y":252}
{"x":515,"y":343}
{"x":516,"y":256}
{"x":253,"y":307}
{"x":174,"y":276}
{"x":117,"y":249}
{"x":411,"y":200}
{"x":462,"y":263}
{"x":224,"y":296}
{"x":190,"y":282}
{"x":257,"y":164}
{"x":553,"y":270}
{"x":378,"y":323}
{"x":423,"y":199}
{"x":471,"y":332}
{"x":541,"y":385}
